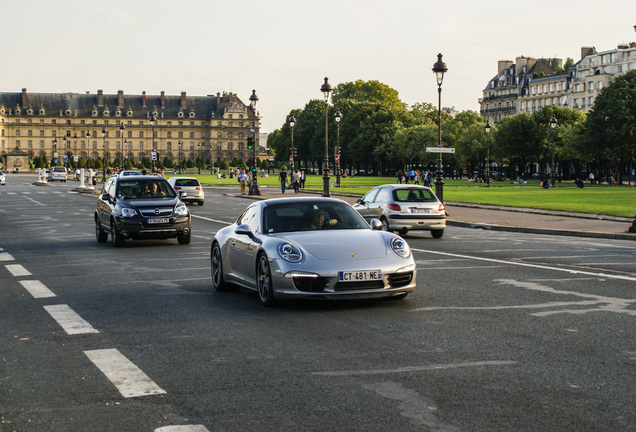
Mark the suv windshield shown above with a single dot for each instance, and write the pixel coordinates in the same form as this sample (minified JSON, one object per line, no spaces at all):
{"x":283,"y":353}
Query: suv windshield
{"x":136,"y":189}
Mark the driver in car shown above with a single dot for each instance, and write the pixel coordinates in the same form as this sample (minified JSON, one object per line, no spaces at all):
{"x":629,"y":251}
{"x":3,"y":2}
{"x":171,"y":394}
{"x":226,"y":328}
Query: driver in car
{"x":319,"y":221}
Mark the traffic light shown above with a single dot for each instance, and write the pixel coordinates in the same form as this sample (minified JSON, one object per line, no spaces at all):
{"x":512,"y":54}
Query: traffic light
{"x":250,"y":143}
{"x":294,"y":153}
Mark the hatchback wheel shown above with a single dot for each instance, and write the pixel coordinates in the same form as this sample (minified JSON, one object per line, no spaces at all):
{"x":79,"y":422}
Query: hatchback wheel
{"x":385,"y":224}
{"x":437,"y":233}
{"x":264,"y":281}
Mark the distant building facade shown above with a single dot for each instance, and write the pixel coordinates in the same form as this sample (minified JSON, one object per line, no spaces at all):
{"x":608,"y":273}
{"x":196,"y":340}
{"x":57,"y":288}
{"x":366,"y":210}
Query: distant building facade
{"x":119,"y":126}
{"x":529,"y":84}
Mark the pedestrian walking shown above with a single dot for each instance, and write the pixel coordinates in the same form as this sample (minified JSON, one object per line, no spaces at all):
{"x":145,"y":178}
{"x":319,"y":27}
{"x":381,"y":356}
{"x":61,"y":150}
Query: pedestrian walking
{"x":282,"y":177}
{"x":296,"y":180}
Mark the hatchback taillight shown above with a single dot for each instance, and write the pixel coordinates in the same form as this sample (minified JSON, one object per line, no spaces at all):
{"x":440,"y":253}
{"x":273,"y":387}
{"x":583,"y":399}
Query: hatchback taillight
{"x":199,"y":188}
{"x":441,"y":208}
{"x":176,"y":188}
{"x":394,"y":207}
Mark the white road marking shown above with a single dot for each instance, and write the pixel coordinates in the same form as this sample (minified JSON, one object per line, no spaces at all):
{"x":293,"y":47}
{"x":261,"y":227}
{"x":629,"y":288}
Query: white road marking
{"x":211,"y":220}
{"x":416,"y":368}
{"x":417,"y":409}
{"x":17,"y":270}
{"x":6,"y":256}
{"x":183,"y":428}
{"x":70,"y":321}
{"x":128,"y":378}
{"x":37,"y":289}
{"x":37,"y":202}
{"x":522,"y":264}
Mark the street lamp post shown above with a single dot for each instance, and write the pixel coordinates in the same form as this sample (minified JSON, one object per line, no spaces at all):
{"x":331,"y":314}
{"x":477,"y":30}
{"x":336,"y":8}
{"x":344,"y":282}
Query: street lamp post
{"x":338,"y":118}
{"x":123,"y":142}
{"x":104,"y":155}
{"x":54,"y":150}
{"x":180,"y":144}
{"x":553,"y":125}
{"x":254,"y":189}
{"x":199,"y":157}
{"x":153,"y":122}
{"x":88,"y":151}
{"x":487,"y":127}
{"x":439,"y":68}
{"x":326,"y":89}
{"x":292,"y":123}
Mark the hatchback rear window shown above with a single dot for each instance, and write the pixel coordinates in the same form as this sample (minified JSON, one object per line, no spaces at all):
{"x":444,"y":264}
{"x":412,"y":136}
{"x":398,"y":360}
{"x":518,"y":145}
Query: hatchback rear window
{"x":413,"y":195}
{"x":187,"y":182}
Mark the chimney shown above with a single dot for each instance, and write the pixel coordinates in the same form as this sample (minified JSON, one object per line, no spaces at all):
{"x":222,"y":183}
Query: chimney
{"x":586,"y":51}
{"x":100,"y":97}
{"x":503,"y":65}
{"x":120,"y":98}
{"x":163,"y":99}
{"x":183,"y":100}
{"x":218,"y":99}
{"x":143,"y":98}
{"x":25,"y":98}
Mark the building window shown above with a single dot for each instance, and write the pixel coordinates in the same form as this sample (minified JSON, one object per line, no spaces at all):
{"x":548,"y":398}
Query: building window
{"x":191,"y":135}
{"x":599,"y":86}
{"x":169,"y":135}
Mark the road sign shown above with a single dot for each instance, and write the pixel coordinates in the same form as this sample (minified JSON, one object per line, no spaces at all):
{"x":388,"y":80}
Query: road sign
{"x":336,"y":157}
{"x":154,"y":156}
{"x":440,"y":150}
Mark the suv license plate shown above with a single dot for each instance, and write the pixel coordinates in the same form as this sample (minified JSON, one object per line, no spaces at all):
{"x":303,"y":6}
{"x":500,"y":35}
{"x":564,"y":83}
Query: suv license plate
{"x":158,"y":221}
{"x":357,"y":276}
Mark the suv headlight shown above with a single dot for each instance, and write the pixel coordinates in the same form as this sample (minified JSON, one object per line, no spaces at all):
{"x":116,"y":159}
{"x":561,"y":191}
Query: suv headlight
{"x":290,"y":252}
{"x":128,"y":212}
{"x":400,"y":247}
{"x":181,"y":210}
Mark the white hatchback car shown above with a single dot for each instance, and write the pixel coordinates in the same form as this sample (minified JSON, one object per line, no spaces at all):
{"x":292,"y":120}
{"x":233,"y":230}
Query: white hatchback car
{"x":189,"y":185}
{"x":404,"y":207}
{"x":2,"y":179}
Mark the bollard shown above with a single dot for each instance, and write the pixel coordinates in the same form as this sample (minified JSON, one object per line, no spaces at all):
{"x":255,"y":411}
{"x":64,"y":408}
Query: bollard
{"x":89,"y":180}
{"x":81,"y":179}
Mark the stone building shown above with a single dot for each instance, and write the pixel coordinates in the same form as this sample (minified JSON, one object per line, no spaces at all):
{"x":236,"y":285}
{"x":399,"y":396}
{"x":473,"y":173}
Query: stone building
{"x":529,"y":84}
{"x":119,"y":126}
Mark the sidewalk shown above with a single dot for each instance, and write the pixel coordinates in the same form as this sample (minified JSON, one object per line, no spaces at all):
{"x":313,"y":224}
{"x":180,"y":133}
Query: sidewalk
{"x":499,"y":218}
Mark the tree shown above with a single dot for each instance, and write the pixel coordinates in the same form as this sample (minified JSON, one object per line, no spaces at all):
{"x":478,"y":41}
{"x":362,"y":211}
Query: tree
{"x":516,"y":140}
{"x":610,"y":128}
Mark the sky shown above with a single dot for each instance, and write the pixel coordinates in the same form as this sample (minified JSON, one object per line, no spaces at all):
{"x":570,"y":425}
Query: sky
{"x":284,"y":48}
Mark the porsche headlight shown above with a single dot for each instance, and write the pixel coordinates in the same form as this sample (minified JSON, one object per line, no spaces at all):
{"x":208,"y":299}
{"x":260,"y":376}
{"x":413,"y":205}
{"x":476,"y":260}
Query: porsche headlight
{"x":400,"y":247}
{"x":290,"y":252}
{"x":181,"y":210}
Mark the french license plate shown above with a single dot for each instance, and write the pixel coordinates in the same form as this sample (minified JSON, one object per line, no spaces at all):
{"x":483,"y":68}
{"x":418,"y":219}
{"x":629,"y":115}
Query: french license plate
{"x":357,"y":276}
{"x":158,"y":221}
{"x":420,"y":210}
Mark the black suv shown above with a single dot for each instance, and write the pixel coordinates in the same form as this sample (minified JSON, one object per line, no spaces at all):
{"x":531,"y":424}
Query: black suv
{"x":141,"y":207}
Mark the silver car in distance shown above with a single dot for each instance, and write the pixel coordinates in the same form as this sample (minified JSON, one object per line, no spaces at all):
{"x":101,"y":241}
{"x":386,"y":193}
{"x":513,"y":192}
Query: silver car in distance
{"x":288,"y":248}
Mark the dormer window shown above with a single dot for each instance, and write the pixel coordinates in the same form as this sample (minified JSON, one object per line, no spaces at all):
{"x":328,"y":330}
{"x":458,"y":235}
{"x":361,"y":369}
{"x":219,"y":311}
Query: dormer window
{"x":94,"y":112}
{"x":129,"y":113}
{"x":30,"y":111}
{"x":118,"y":113}
{"x":106,"y":112}
{"x":18,"y":111}
{"x":180,"y":114}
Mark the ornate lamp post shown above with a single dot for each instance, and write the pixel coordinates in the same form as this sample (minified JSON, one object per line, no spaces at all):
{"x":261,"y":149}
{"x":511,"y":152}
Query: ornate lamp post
{"x":104,"y":155}
{"x":553,"y":125}
{"x":292,"y":122}
{"x":326,"y":89}
{"x":123,"y":142}
{"x":180,"y":144}
{"x":338,"y":117}
{"x":54,"y":146}
{"x":487,"y":128}
{"x":254,"y":189}
{"x":88,"y":151}
{"x":153,"y":123}
{"x":439,"y":68}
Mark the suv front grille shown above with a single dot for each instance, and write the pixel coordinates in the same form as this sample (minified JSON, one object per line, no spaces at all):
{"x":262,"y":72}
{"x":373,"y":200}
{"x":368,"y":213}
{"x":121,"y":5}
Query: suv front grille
{"x":150,"y":212}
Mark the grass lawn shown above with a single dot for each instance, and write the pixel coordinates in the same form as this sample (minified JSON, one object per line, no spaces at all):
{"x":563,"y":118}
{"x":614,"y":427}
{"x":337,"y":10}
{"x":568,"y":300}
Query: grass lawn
{"x":594,"y":199}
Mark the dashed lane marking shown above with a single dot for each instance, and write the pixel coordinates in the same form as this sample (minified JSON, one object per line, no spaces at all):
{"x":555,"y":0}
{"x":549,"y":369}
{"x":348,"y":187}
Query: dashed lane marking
{"x":70,"y":321}
{"x":183,"y":428}
{"x":17,"y":270}
{"x":128,"y":378}
{"x":37,"y":288}
{"x":6,"y":256}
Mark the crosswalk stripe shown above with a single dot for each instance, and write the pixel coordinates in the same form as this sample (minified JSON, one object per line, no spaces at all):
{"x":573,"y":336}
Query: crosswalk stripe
{"x":6,"y":256}
{"x":128,"y":378}
{"x":183,"y":428}
{"x":37,"y":288}
{"x":69,"y":320}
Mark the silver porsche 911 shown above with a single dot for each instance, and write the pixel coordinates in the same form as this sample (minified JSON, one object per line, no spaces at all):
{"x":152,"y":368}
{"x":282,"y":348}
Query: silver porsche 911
{"x":310,"y":248}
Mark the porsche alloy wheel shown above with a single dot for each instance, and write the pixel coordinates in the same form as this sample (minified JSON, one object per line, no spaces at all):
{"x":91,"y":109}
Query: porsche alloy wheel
{"x":264,"y":281}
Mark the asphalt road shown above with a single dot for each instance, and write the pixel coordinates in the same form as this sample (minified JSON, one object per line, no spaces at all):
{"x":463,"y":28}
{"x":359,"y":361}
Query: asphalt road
{"x":505,"y":332}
